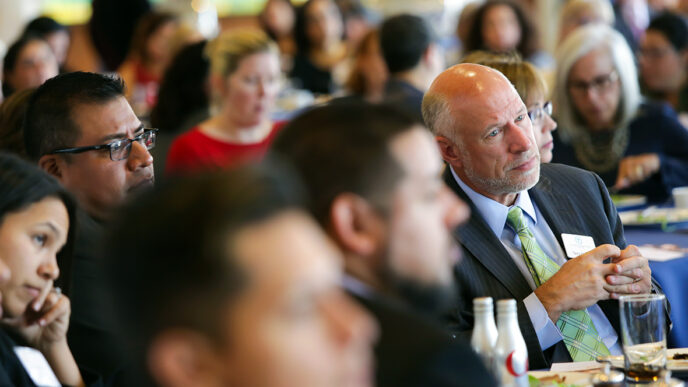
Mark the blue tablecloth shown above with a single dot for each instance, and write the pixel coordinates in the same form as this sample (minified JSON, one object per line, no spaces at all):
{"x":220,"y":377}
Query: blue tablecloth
{"x":672,"y":276}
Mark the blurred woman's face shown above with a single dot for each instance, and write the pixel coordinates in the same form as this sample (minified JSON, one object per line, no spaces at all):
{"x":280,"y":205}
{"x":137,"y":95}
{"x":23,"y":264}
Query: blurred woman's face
{"x":501,"y":31}
{"x":662,"y":67}
{"x":372,"y":66}
{"x":35,"y":64}
{"x":323,"y":23}
{"x":159,"y":43}
{"x":29,"y":242}
{"x":279,"y":17}
{"x":59,"y":43}
{"x":595,"y":89}
{"x":250,"y":91}
{"x":539,"y":112}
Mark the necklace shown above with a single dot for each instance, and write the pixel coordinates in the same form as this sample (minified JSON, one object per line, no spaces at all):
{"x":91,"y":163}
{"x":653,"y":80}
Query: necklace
{"x":601,"y":153}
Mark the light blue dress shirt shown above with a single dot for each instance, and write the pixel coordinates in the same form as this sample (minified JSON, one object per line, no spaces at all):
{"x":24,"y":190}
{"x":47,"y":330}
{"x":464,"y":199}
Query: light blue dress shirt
{"x":495,"y":215}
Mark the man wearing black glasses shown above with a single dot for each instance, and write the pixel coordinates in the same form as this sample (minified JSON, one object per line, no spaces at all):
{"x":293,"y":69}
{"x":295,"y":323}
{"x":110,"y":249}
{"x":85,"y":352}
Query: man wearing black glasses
{"x":80,"y":129}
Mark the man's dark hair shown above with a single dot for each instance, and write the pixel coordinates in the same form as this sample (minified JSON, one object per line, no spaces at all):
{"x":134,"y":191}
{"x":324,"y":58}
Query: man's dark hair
{"x":22,"y":185}
{"x":673,"y":27}
{"x":169,"y":257}
{"x":529,"y":40}
{"x":344,"y":148}
{"x":49,"y":124}
{"x":403,"y":40}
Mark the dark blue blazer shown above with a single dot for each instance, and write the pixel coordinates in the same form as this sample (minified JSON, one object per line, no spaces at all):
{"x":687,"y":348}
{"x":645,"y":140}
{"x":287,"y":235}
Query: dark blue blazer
{"x":655,"y":129}
{"x":572,"y":201}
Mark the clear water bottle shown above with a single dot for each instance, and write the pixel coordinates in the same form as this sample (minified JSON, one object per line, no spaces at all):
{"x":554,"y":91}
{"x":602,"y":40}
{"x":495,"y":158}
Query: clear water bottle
{"x":484,"y":335}
{"x":510,"y":354}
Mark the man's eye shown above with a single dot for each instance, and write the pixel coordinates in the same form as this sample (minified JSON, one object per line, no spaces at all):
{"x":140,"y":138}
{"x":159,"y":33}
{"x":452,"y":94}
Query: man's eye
{"x":493,"y":133}
{"x":117,"y":145}
{"x":520,"y":118}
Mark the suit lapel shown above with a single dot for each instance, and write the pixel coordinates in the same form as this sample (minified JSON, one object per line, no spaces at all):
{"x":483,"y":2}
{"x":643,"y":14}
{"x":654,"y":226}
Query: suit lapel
{"x":477,"y":238}
{"x":558,"y":210}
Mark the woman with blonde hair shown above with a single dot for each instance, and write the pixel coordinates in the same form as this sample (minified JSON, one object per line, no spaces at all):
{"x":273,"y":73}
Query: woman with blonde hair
{"x":244,"y":79}
{"x":532,"y":89}
{"x":604,"y":126}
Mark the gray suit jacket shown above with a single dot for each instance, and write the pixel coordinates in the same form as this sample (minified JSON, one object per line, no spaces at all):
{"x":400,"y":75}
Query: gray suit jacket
{"x":572,"y":201}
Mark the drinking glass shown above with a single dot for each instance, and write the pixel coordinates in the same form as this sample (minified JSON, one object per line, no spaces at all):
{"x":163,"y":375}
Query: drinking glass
{"x":643,"y":332}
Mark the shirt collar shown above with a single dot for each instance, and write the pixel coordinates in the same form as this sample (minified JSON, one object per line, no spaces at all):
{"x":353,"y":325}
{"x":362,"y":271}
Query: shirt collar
{"x":493,"y":212}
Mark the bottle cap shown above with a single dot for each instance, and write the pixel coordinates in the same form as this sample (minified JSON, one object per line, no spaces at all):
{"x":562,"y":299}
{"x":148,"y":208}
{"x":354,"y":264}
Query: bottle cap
{"x":506,"y":306}
{"x":482,"y":304}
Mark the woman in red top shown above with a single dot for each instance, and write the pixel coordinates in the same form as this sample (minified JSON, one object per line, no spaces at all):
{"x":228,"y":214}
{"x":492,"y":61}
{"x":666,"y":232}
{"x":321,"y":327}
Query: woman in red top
{"x":244,"y":77}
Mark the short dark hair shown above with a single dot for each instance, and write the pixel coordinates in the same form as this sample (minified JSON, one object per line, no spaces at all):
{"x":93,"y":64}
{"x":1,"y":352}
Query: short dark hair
{"x":43,"y":26}
{"x":182,"y":90}
{"x":11,"y":57}
{"x":673,"y":27}
{"x":168,"y":259}
{"x":344,"y":148}
{"x":529,"y":40}
{"x":23,"y":184}
{"x":403,"y":40}
{"x":49,"y":124}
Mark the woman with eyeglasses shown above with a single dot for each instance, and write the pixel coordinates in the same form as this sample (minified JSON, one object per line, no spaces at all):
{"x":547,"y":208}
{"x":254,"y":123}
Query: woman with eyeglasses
{"x":532,"y":89}
{"x":37,"y":219}
{"x":635,"y":146}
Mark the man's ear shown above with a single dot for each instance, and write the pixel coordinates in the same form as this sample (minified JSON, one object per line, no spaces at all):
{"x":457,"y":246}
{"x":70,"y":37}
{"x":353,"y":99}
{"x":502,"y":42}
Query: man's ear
{"x":53,"y":165}
{"x":181,"y":357}
{"x":355,"y":225}
{"x":449,"y":151}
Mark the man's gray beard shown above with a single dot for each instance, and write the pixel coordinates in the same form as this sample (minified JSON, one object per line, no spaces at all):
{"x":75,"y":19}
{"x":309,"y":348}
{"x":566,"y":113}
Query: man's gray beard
{"x":500,"y":186}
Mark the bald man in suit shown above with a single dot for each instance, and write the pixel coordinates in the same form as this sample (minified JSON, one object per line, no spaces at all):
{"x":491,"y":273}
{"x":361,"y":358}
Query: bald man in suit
{"x":547,"y":236}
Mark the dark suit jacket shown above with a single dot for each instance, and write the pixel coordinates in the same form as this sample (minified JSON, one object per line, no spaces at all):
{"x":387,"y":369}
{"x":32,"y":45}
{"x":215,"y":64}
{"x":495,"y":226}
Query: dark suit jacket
{"x":415,"y":352}
{"x":91,"y":334}
{"x":404,"y":96}
{"x":572,"y":201}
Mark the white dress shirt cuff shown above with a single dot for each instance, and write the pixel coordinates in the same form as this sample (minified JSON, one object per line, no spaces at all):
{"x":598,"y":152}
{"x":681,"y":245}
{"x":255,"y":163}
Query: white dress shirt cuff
{"x":547,"y":332}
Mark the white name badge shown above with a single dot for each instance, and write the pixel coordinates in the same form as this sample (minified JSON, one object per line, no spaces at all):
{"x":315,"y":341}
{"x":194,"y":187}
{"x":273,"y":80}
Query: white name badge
{"x":576,"y":245}
{"x":37,"y":367}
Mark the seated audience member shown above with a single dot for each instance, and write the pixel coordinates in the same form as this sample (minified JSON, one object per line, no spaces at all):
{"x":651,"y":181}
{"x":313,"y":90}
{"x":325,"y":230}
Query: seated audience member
{"x":373,"y":176}
{"x":662,"y":58}
{"x":149,"y":55}
{"x":12,"y":112}
{"x":502,"y":26}
{"x":604,"y":127}
{"x":277,"y":20}
{"x":576,"y":13}
{"x":250,"y":292}
{"x":80,"y":129}
{"x":28,"y":63}
{"x":320,"y":46}
{"x":413,"y":58}
{"x":368,"y":76}
{"x":245,"y":79}
{"x":183,"y":100}
{"x":54,"y":33}
{"x":519,"y":209}
{"x":37,"y":222}
{"x":531,"y":87}
{"x":357,"y":21}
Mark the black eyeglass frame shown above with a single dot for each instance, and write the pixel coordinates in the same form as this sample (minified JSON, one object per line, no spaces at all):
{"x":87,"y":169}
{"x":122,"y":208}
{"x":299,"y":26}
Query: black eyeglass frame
{"x":108,"y":146}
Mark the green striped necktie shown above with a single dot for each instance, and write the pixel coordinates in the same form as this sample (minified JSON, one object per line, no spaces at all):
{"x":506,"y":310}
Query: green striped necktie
{"x":580,"y":336}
